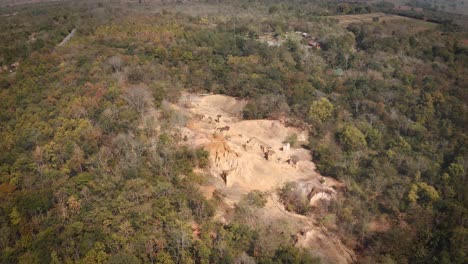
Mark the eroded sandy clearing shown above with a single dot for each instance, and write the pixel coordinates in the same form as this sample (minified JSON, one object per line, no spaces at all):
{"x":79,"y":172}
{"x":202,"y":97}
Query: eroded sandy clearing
{"x":248,"y":155}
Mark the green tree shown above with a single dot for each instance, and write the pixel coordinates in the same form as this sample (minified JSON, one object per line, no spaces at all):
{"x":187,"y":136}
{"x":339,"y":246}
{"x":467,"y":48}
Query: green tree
{"x":352,"y":138}
{"x":96,"y":255}
{"x":321,"y":110}
{"x":423,"y":192}
{"x":164,"y":258}
{"x":15,"y":216}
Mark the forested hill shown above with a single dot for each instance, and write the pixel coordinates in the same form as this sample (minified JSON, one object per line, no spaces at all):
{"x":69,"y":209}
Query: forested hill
{"x":85,"y":177}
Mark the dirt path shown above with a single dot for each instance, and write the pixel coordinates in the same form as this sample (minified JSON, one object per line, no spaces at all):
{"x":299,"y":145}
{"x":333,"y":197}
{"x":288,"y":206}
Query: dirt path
{"x":67,"y":38}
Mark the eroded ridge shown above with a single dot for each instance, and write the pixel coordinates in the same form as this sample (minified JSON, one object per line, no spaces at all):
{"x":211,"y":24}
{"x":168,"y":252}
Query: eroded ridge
{"x":247,"y":155}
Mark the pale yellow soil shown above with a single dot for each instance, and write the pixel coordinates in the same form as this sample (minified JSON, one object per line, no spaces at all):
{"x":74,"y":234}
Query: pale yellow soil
{"x":248,"y":155}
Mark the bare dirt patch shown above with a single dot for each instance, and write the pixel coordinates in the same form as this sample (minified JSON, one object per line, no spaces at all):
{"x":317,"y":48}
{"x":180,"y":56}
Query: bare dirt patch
{"x":247,"y":155}
{"x":411,"y":25}
{"x":380,"y":225}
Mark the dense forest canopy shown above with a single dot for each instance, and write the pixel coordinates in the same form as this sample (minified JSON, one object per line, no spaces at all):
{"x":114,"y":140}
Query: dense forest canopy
{"x":85,"y":178}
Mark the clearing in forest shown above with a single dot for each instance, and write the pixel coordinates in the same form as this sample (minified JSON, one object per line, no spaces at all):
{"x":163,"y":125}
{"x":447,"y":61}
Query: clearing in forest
{"x":247,"y":155}
{"x":411,"y":25}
